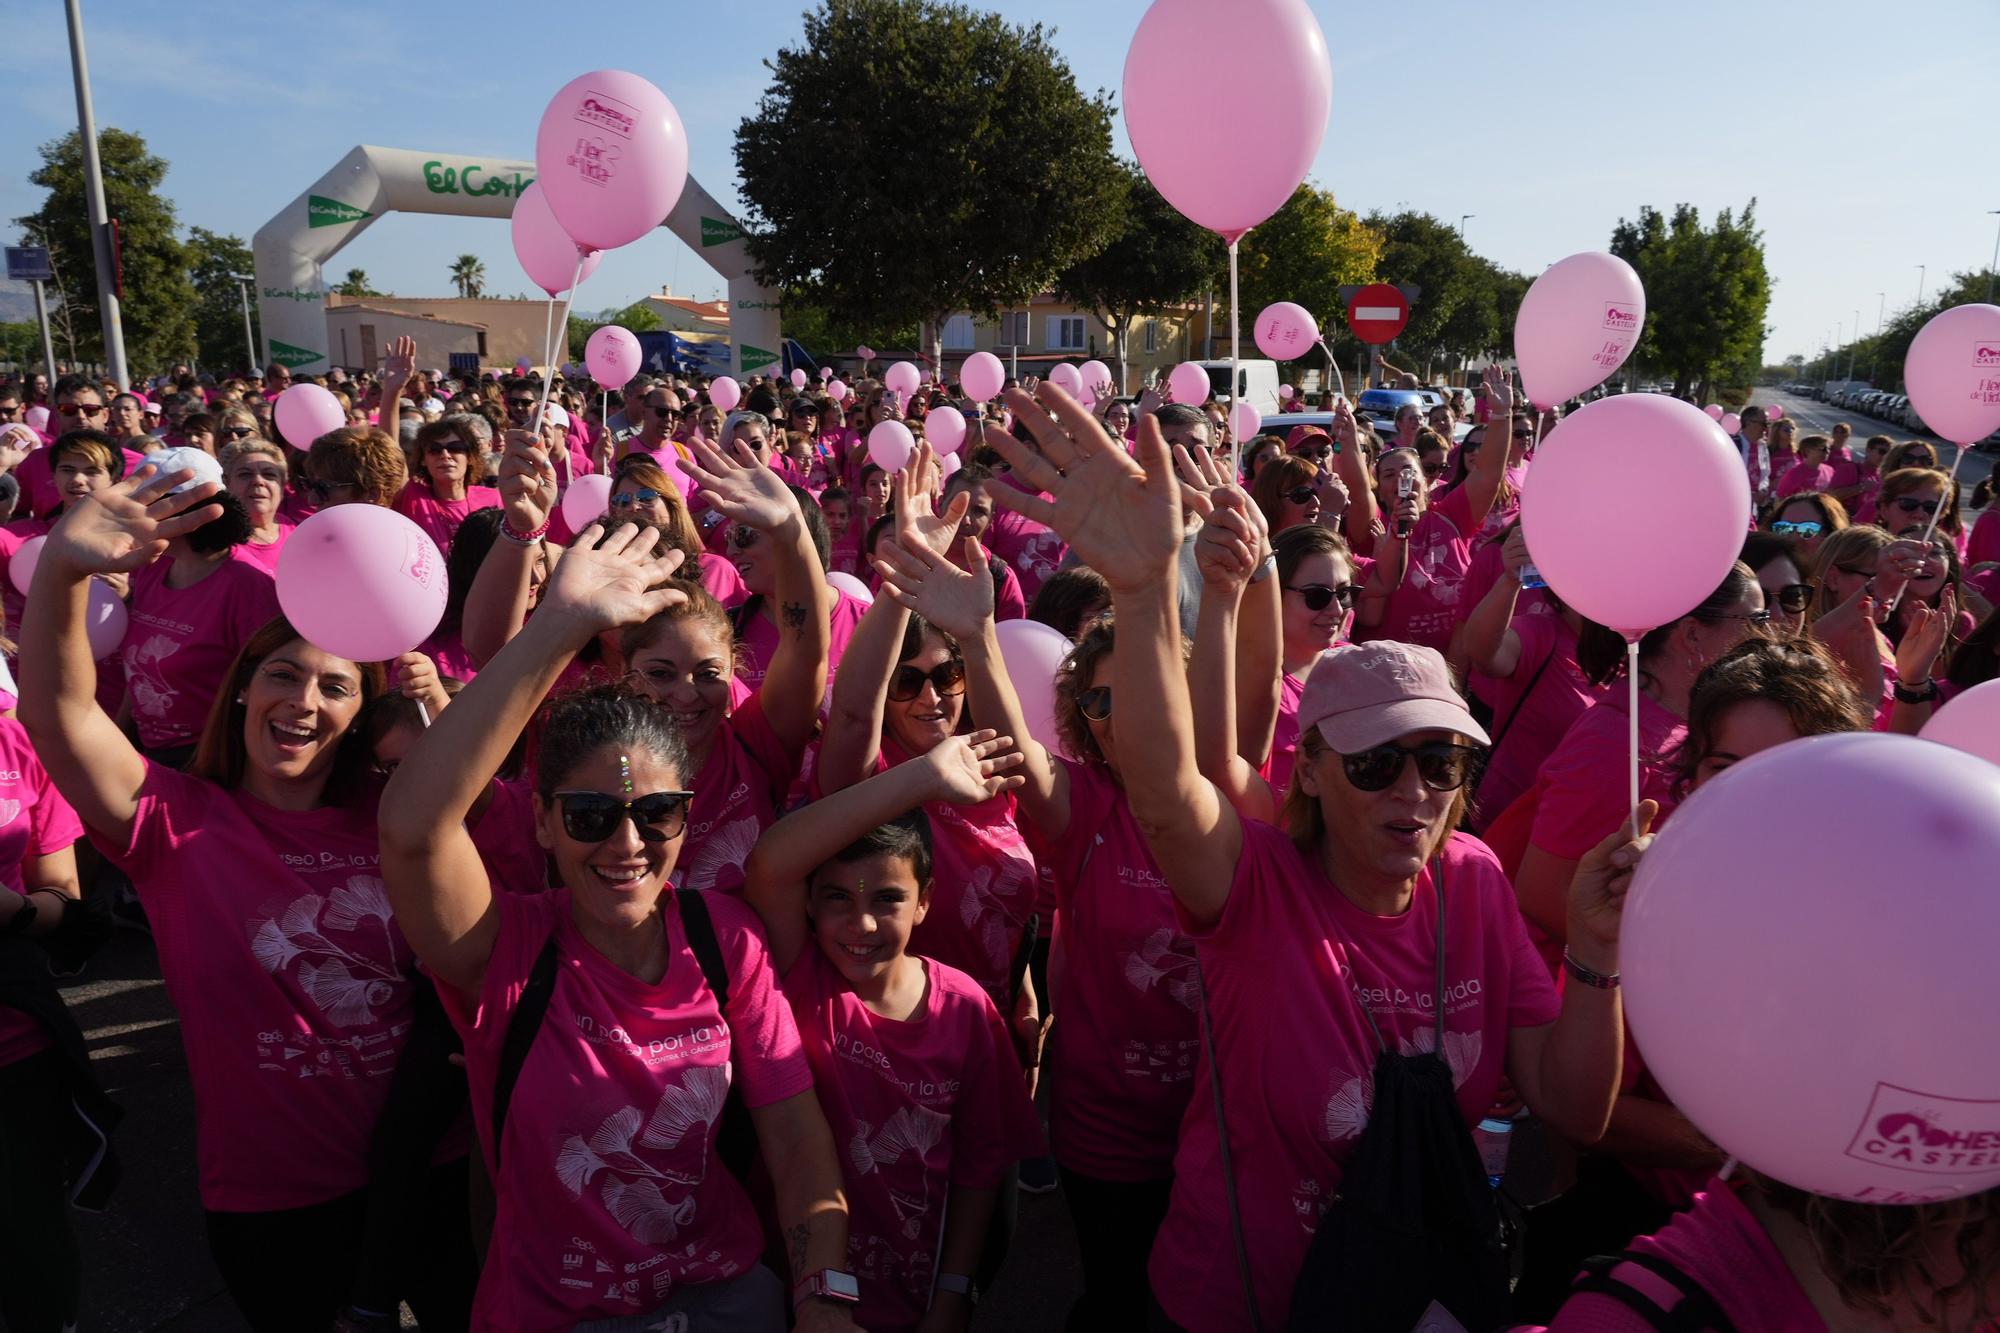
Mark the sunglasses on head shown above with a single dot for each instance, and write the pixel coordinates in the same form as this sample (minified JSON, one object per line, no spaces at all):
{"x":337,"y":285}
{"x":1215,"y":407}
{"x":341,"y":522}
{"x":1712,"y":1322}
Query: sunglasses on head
{"x":80,"y":409}
{"x":1794,"y":598}
{"x":947,"y":678}
{"x":592,"y":816}
{"x":447,"y":447}
{"x":1319,"y":596}
{"x":1441,"y":764}
{"x":645,"y":495}
{"x":1910,"y":504}
{"x":1803,"y":528}
{"x":1095,"y":703}
{"x":1298,"y":495}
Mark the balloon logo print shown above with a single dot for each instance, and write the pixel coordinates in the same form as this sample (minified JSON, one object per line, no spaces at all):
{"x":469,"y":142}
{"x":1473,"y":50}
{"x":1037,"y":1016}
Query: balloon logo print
{"x":594,"y":161}
{"x":1617,"y":316}
{"x":607,"y":113}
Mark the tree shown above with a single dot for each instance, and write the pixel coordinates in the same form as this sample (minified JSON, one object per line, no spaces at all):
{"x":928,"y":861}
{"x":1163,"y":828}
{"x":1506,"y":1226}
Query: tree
{"x":1456,"y":313}
{"x":1706,"y":294}
{"x":1004,"y":180}
{"x":1306,"y":252}
{"x":213,"y":262}
{"x":468,"y":274}
{"x":157,"y":299}
{"x":356,"y":283}
{"x":1157,"y":259}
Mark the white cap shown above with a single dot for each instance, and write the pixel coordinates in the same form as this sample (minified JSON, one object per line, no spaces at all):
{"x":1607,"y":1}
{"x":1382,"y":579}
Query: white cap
{"x":202,"y":464}
{"x":556,"y":416}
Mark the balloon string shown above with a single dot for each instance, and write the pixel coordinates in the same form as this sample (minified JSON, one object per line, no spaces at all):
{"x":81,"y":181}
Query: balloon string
{"x":1930,"y":525}
{"x":549,"y":379}
{"x":548,"y":323}
{"x":1334,"y":366}
{"x":1235,"y":351}
{"x":423,"y":714}
{"x":1632,"y":727}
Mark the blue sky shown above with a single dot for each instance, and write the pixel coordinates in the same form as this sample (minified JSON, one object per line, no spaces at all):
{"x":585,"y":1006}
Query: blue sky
{"x":1864,"y":132}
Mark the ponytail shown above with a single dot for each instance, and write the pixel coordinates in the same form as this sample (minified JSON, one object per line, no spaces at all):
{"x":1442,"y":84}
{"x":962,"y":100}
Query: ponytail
{"x":1600,"y":651}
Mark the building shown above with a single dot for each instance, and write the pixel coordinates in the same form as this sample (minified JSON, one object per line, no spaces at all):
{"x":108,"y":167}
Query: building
{"x":499,"y":331}
{"x":1052,"y":329}
{"x":680,"y":314}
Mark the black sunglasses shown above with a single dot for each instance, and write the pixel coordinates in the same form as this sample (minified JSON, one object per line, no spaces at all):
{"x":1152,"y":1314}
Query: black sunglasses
{"x":1910,"y":504}
{"x":1794,"y":598}
{"x":742,"y":537}
{"x":1318,"y":596}
{"x":665,"y":413}
{"x":947,"y":678}
{"x":645,"y":495}
{"x":592,"y":816}
{"x":320,"y":490}
{"x":1298,"y":495}
{"x":1095,"y":703}
{"x":238,"y":432}
{"x":447,"y":447}
{"x":1441,"y":764}
{"x":1432,"y":470}
{"x":520,"y":404}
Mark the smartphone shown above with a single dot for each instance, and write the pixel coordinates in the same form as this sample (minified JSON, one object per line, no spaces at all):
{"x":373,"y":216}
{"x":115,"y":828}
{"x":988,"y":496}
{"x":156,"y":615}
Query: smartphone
{"x":1406,"y":486}
{"x":1532,"y":578}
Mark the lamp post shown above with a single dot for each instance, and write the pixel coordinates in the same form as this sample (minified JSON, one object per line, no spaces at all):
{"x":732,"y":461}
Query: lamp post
{"x":93,"y":193}
{"x":249,"y":337}
{"x":1991,"y":212}
{"x":1854,"y":346}
{"x":1920,"y":284}
{"x":1463,"y":218}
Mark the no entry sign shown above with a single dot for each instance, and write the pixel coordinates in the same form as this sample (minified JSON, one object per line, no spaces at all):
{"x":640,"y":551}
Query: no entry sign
{"x":1377,"y":313}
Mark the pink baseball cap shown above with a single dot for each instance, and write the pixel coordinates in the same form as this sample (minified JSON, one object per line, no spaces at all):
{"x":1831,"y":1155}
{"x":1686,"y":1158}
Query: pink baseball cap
{"x":1300,"y":434}
{"x":1361,"y":695}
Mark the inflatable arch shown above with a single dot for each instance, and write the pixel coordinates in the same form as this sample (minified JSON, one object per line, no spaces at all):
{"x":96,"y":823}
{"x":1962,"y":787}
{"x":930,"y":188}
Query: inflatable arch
{"x":292,"y":247}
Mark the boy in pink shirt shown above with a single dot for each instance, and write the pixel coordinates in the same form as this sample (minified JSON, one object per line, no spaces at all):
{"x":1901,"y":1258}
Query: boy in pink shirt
{"x":1811,"y":472}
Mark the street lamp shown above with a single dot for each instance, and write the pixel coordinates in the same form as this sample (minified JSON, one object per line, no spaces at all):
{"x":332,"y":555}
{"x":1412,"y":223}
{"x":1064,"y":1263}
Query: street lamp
{"x":1462,"y":219}
{"x":1991,"y":212}
{"x":1920,"y":284}
{"x":1854,"y":346}
{"x":249,"y":338}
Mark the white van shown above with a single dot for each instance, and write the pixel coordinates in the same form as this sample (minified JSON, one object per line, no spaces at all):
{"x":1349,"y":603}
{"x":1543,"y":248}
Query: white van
{"x":1257,"y":383}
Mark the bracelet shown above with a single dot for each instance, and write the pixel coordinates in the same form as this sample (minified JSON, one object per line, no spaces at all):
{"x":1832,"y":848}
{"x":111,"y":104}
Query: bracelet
{"x":524,"y":538}
{"x":1265,"y":568}
{"x":1919,"y":694}
{"x":1595,"y":980}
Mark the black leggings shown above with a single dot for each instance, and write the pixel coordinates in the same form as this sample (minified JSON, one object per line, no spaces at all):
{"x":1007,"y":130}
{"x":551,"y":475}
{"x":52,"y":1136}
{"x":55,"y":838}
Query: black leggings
{"x":1115,"y":1222}
{"x":292,"y":1271}
{"x":40,"y":1273}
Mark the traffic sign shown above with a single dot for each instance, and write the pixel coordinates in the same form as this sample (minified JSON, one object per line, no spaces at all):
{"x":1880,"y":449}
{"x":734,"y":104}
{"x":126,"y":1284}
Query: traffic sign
{"x":29,"y":263}
{"x":1377,"y":313}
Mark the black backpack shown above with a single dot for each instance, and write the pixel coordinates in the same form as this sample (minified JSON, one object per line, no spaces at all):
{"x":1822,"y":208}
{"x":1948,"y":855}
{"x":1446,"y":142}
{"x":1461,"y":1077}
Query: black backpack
{"x":1695,"y":1312}
{"x":736,"y":1138}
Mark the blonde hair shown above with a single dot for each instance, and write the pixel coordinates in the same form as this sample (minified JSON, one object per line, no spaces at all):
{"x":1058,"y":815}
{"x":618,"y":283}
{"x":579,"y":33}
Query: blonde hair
{"x":256,"y":445}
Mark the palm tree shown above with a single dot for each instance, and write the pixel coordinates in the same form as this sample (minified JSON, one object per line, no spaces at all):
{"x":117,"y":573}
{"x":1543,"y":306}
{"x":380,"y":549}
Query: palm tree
{"x":469,"y":276}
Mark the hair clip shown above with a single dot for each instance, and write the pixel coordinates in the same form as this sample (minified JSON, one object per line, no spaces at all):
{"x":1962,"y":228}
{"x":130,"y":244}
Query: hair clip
{"x":625,"y":773}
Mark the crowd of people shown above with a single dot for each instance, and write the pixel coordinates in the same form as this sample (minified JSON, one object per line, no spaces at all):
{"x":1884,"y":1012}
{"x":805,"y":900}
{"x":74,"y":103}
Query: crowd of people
{"x":706,"y":924}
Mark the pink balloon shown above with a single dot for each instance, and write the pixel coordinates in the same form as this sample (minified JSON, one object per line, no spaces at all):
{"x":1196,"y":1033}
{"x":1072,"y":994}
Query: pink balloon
{"x":1286,"y":331}
{"x":1802,"y":1009}
{"x":1245,"y":421}
{"x":1033,"y":653}
{"x":546,"y":252}
{"x":903,"y":378}
{"x":1067,"y":378}
{"x":1635,"y":567}
{"x":105,"y":620}
{"x":852,"y":586}
{"x":1188,"y":383}
{"x":890,"y":445}
{"x":38,"y":417}
{"x":1577,"y":324}
{"x":611,"y":157}
{"x":1730,"y":423}
{"x":944,"y":427}
{"x":1953,"y":372}
{"x":865,"y":352}
{"x":825,"y":374}
{"x":798,"y":378}
{"x":305,"y":412}
{"x":612,"y":355}
{"x":1715,"y":411}
{"x":1774,"y":413}
{"x":587,"y":500}
{"x":837,"y":390}
{"x":725,"y":393}
{"x":1096,"y":375}
{"x":1286,"y":393}
{"x":361,"y":582}
{"x":948,"y":464}
{"x":1971,"y":722}
{"x":1194,"y":149}
{"x":982,"y":377}
{"x":21,"y":569}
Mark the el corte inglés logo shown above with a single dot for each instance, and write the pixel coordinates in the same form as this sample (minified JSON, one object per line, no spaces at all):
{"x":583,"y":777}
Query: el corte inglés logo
{"x":324,"y":212}
{"x":473,"y":179}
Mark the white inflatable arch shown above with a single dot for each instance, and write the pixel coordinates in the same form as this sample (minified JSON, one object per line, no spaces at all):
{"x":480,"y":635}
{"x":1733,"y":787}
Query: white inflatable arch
{"x":293,"y":247}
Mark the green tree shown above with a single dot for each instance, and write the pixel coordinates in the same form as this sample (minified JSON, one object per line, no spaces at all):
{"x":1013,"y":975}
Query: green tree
{"x":356,"y":284}
{"x":1457,"y":310}
{"x":1706,"y":294}
{"x":21,"y":343}
{"x":468,"y":274}
{"x":1007,"y":180}
{"x":1306,"y":252}
{"x":158,"y":300}
{"x":1157,"y":259}
{"x":814,"y":328}
{"x":213,"y":262}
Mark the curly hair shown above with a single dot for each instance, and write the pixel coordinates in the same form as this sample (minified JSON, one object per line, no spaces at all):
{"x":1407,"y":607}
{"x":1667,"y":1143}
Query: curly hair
{"x":1796,"y":674}
{"x":362,"y":457}
{"x":700,"y":606}
{"x":574,"y":726}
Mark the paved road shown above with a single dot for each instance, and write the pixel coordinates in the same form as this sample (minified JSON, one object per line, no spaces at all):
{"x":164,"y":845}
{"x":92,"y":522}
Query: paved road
{"x":1821,"y":418}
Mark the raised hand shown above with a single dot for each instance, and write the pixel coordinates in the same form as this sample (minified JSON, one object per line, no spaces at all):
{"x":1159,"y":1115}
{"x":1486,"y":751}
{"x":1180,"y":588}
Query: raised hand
{"x":1849,"y":633}
{"x":608,"y":580}
{"x":1499,"y":393}
{"x":743,"y":489}
{"x":957,"y":601}
{"x":399,"y":363}
{"x":1924,"y":638}
{"x":913,"y":494}
{"x":1120,"y":513}
{"x":527,"y":483}
{"x":1333,"y":497}
{"x":127,"y":526}
{"x":16,"y":442}
{"x":1231,"y":543}
{"x":415,"y":676}
{"x":1345,"y":433}
{"x":1514,"y":551}
{"x":1597,"y":890}
{"x":966,"y":770}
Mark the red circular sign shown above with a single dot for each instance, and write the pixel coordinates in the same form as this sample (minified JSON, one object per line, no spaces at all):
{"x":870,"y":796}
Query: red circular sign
{"x":1377,"y":313}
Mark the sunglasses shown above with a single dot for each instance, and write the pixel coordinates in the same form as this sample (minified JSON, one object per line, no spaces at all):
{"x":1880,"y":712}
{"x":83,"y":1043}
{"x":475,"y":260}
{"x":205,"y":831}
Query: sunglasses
{"x":591,"y":816}
{"x":947,"y":678}
{"x":1441,"y":764}
{"x":645,"y":495}
{"x":446,"y":447}
{"x":519,"y":404}
{"x":238,"y":432}
{"x":321,"y":491}
{"x":1804,"y":528}
{"x":1794,"y":598}
{"x":1754,"y":617}
{"x":1433,"y":470}
{"x":80,"y":409}
{"x":1910,"y":504}
{"x":742,"y":537}
{"x":1318,"y":596}
{"x":1095,"y":703}
{"x":665,"y":413}
{"x":1317,"y":452}
{"x":1298,"y":495}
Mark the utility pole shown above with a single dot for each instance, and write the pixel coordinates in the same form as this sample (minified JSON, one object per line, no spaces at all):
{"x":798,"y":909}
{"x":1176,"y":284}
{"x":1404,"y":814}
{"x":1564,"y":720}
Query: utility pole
{"x":1991,"y":212}
{"x":1854,"y":346}
{"x":100,"y":225}
{"x":249,"y":337}
{"x":1920,"y":284}
{"x":1462,"y":218}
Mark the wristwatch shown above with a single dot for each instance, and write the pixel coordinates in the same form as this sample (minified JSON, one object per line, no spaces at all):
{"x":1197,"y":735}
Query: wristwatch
{"x":828,"y":1284}
{"x":1917,"y":694}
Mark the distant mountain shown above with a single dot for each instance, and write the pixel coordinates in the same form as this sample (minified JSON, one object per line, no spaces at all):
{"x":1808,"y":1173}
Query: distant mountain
{"x":17,"y":302}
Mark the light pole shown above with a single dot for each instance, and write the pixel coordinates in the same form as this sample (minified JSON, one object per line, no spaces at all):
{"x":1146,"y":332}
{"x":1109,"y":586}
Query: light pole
{"x":93,"y":191}
{"x":1991,"y":212}
{"x":1881,"y":305}
{"x":1463,"y":218}
{"x":1854,"y":346}
{"x":1920,"y":284}
{"x":249,"y":337}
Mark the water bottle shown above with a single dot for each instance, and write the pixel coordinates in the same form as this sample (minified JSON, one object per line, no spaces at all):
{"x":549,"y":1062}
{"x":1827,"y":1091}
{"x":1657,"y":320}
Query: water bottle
{"x":1492,"y":1138}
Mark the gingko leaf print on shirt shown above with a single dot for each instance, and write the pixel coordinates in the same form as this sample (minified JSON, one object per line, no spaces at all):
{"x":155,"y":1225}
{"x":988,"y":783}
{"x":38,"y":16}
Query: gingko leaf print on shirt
{"x":634,"y":1190}
{"x":310,"y":941}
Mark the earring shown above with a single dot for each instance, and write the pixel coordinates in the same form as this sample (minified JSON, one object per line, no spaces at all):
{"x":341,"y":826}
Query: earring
{"x":241,"y":700}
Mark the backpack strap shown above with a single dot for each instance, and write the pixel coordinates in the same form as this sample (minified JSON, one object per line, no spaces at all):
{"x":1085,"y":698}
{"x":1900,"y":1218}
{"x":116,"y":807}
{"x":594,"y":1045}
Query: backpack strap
{"x":1695,"y":1312}
{"x":1501,"y":732}
{"x":521,"y":1031}
{"x":1222,"y":1132}
{"x":699,"y":928}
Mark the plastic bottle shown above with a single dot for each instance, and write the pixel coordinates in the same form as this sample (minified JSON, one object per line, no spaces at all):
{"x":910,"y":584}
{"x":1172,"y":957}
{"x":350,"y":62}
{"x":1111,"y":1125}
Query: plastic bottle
{"x":1492,"y":1138}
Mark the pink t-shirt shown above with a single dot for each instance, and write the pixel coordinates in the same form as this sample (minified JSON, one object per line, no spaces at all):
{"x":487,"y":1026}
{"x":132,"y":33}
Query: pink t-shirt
{"x":34,"y":821}
{"x":265,"y":554}
{"x":290,"y":979}
{"x":737,"y":795}
{"x":440,"y":518}
{"x":1425,"y":606}
{"x":758,"y":642}
{"x":1034,"y":551}
{"x":505,"y":838}
{"x":1846,"y":472}
{"x":1285,"y":736}
{"x":1541,"y":716}
{"x":724,"y":584}
{"x":916,"y":1106}
{"x":182,"y":642}
{"x":1584,"y":787}
{"x":1287,"y":968}
{"x":611,"y":1198}
{"x":1805,"y":477}
{"x":1121,"y":1061}
{"x":13,"y":537}
{"x":1719,"y":1245}
{"x":1984,"y":543}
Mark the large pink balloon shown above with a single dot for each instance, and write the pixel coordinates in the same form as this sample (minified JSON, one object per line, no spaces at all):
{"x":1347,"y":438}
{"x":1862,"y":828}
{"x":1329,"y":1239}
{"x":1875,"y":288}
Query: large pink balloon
{"x":1033,"y":653}
{"x":1815,"y":1009}
{"x":21,"y":568}
{"x":612,"y":355}
{"x":1067,"y":378}
{"x":1577,"y":324}
{"x":798,"y":378}
{"x":725,"y":393}
{"x":890,"y":445}
{"x":1715,"y":411}
{"x":982,"y":376}
{"x":545,"y":250}
{"x":1228,"y":164}
{"x":587,"y":500}
{"x":1635,"y":566}
{"x":1286,"y":331}
{"x":1774,"y":412}
{"x":1188,"y":383}
{"x":105,"y":620}
{"x":305,"y":412}
{"x":1971,"y":722}
{"x":944,"y":427}
{"x":1953,"y":372}
{"x":903,"y":378}
{"x":1245,"y":421}
{"x":1096,"y":375}
{"x":611,"y":157}
{"x":837,"y":390}
{"x":361,"y":582}
{"x":852,"y":586}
